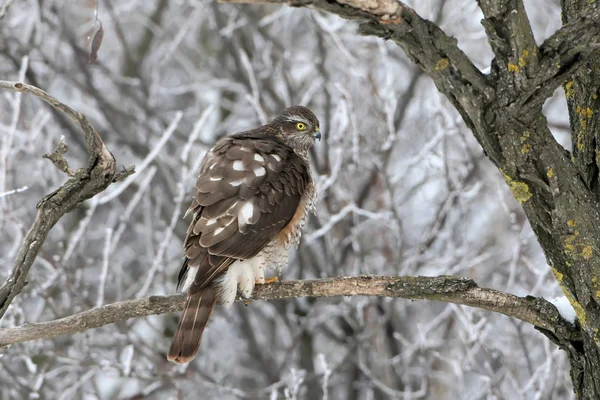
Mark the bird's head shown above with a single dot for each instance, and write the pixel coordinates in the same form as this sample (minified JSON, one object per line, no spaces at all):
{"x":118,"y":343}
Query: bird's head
{"x":298,"y":127}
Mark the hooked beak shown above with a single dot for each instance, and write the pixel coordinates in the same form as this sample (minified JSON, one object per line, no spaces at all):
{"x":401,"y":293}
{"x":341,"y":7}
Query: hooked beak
{"x":317,"y":134}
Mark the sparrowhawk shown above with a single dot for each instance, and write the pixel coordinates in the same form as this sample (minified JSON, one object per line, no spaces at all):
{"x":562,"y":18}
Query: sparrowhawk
{"x":253,"y":196}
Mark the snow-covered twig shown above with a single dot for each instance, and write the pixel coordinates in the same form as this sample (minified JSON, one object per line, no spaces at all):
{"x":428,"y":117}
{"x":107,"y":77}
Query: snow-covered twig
{"x":105,"y":263}
{"x":77,"y":235}
{"x":14,"y":191}
{"x":254,"y":99}
{"x":334,"y":219}
{"x":5,"y":7}
{"x":162,"y":248}
{"x":144,"y":164}
{"x":326,"y":374}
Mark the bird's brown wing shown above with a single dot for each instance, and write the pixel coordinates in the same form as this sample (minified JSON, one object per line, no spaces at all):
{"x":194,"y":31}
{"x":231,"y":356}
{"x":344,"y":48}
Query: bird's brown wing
{"x":248,"y":190}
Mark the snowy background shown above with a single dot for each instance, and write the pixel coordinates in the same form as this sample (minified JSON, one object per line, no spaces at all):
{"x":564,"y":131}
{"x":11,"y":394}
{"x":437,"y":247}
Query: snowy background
{"x":405,"y":190}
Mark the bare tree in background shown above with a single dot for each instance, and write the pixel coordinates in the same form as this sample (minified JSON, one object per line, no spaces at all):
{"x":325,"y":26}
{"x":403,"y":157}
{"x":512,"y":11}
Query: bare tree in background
{"x":405,"y":190}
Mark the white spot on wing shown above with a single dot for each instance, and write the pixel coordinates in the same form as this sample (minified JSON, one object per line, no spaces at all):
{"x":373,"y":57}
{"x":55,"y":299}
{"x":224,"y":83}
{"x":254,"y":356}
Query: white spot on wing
{"x":237,"y":183}
{"x":246,"y":212}
{"x":260,"y":171}
{"x":218,"y":230}
{"x":211,"y":222}
{"x":212,"y":166}
{"x":238,"y":165}
{"x":258,"y":157}
{"x":212,"y":178}
{"x":276,"y":157}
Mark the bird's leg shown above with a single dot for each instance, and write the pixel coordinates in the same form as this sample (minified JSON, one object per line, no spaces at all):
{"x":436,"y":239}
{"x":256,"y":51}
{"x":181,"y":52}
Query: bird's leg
{"x":273,"y":279}
{"x":259,"y":275}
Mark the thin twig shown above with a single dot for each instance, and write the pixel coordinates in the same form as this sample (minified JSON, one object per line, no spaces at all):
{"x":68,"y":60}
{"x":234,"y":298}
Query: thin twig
{"x":146,"y":162}
{"x":14,"y":191}
{"x":5,"y":7}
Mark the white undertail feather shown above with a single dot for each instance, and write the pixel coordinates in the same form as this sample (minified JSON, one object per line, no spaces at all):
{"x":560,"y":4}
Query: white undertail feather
{"x":242,"y":273}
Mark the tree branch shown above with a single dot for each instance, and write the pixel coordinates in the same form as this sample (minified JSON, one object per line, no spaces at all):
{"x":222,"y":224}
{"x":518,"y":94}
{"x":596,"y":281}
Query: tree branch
{"x":581,"y":91}
{"x":84,"y":184}
{"x":511,"y":38}
{"x":458,"y":290}
{"x":561,"y":55}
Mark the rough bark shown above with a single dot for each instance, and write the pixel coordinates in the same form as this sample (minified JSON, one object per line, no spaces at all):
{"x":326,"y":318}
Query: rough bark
{"x":558,"y":190}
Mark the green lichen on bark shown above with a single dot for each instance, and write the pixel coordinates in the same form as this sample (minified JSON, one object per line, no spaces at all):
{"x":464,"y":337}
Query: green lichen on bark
{"x":520,"y":190}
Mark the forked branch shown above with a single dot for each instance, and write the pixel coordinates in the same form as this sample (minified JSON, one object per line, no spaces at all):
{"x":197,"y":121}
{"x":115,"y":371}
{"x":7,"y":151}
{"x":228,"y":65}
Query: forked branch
{"x":82,"y":185}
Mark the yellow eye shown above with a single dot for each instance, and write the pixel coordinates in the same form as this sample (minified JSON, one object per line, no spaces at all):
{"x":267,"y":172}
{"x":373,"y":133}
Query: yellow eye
{"x":301,"y":126}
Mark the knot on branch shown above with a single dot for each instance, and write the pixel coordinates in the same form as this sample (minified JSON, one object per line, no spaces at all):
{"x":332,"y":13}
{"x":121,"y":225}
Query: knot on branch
{"x":57,"y":157}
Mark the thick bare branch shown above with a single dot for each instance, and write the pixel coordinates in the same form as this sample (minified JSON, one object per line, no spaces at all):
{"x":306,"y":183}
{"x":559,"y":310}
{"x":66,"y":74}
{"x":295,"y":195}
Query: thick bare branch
{"x":512,"y":41}
{"x":84,"y":184}
{"x":452,"y":289}
{"x":561,"y":55}
{"x":581,"y":91}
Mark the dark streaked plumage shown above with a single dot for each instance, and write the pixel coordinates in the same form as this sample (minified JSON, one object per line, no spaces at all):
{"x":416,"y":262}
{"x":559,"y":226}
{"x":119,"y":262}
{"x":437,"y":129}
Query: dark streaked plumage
{"x":252,"y":198}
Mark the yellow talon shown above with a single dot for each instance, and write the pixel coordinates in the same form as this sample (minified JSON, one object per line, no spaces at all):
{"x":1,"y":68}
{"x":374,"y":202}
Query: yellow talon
{"x":267,"y":280}
{"x":272,"y":280}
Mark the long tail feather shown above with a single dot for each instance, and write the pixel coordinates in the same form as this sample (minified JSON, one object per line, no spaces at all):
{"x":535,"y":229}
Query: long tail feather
{"x":193,"y":321}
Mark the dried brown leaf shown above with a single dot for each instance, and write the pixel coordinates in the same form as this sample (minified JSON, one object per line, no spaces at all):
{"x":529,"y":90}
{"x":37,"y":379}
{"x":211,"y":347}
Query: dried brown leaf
{"x":96,"y":42}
